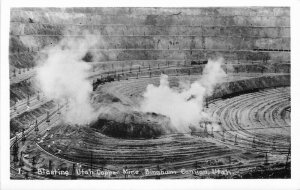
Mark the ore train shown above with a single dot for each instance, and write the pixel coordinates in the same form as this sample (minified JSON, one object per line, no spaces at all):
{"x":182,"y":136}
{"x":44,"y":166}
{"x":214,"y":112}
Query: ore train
{"x":199,"y":62}
{"x":102,"y":80}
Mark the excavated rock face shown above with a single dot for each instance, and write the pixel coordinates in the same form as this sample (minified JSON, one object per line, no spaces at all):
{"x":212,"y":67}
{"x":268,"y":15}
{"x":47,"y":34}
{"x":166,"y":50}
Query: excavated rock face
{"x":264,"y":35}
{"x":133,"y":126}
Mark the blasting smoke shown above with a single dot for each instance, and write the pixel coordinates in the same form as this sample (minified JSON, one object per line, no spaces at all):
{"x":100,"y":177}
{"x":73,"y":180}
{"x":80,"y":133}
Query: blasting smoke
{"x":184,"y":107}
{"x":62,"y":75}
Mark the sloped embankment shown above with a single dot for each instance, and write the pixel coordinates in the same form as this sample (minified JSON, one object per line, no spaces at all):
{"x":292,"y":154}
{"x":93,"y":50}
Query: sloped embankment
{"x":24,"y":120}
{"x":235,"y":88}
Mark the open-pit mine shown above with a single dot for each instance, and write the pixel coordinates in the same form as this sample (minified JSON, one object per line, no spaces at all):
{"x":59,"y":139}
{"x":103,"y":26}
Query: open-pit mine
{"x":150,"y":93}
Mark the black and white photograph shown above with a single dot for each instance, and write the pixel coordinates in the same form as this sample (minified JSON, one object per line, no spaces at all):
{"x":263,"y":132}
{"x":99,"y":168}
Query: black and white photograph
{"x":149,"y":93}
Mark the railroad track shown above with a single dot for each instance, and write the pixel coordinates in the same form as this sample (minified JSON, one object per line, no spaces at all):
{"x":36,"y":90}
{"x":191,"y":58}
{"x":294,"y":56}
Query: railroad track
{"x":43,"y":126}
{"x":172,"y":150}
{"x":242,"y":111}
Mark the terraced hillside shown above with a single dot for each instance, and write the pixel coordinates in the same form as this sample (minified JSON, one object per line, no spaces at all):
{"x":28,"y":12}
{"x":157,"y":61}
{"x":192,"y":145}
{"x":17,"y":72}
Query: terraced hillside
{"x":136,"y":35}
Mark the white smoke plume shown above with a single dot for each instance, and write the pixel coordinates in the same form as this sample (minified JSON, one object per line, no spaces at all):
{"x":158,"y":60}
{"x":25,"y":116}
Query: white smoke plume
{"x":184,"y":107}
{"x":62,"y":75}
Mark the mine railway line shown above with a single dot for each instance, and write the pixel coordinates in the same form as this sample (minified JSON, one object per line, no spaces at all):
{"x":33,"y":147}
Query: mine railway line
{"x":31,"y":128}
{"x":22,"y":76}
{"x":144,"y":71}
{"x":174,"y":165}
{"x":243,"y":99}
{"x":178,"y":150}
{"x":23,"y":106}
{"x":162,"y":157}
{"x":42,"y":125}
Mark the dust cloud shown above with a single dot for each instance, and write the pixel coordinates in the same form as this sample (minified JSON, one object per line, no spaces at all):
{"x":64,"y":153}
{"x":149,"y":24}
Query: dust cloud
{"x":184,"y":107}
{"x":62,"y":75}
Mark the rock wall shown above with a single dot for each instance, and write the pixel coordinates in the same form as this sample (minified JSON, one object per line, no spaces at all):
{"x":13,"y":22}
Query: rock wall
{"x":249,"y":33}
